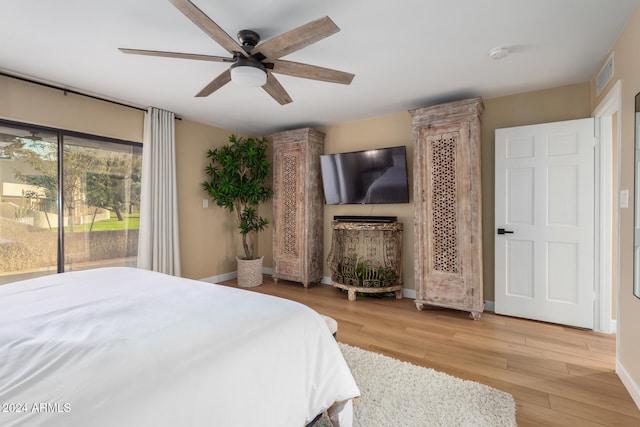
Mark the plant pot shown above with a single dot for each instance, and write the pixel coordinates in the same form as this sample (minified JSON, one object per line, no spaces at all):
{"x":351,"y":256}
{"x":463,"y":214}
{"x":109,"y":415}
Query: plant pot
{"x":249,"y":272}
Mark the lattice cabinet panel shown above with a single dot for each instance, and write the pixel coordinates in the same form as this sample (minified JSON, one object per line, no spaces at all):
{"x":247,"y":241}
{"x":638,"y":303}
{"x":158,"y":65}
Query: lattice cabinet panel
{"x":297,"y":206}
{"x":366,"y":257}
{"x":290,"y":188}
{"x":447,"y":206}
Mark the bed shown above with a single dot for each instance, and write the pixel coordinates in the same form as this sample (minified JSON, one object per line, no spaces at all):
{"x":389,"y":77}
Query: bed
{"x":128,"y":347}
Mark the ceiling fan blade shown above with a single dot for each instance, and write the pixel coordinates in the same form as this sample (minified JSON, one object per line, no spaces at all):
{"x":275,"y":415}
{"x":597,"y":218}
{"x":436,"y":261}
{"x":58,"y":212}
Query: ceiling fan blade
{"x":215,"y":84}
{"x":207,"y":25}
{"x":275,"y":89}
{"x":312,"y":72}
{"x":179,"y":55}
{"x":297,"y":38}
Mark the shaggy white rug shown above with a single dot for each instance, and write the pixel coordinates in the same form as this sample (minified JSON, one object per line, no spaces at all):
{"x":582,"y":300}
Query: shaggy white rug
{"x":397,"y":393}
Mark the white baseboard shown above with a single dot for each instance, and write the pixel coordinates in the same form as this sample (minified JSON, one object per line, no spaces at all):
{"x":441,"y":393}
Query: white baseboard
{"x":234,"y":274}
{"x":220,"y":277}
{"x":409,"y":293}
{"x":629,"y":383}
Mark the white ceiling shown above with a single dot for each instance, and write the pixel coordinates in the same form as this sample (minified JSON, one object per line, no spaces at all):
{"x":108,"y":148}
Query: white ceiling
{"x":405,"y":53}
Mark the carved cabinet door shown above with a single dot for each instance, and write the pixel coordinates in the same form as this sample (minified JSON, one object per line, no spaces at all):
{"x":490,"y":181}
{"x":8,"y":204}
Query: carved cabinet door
{"x":288,"y":224}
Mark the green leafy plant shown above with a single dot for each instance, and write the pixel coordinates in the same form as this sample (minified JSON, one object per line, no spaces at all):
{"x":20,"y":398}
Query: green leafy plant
{"x":237,"y":181}
{"x":360,"y":272}
{"x":387,"y":276}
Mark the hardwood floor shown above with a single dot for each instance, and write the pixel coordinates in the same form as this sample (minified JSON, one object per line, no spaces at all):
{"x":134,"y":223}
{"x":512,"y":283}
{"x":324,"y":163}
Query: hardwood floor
{"x":559,"y":376}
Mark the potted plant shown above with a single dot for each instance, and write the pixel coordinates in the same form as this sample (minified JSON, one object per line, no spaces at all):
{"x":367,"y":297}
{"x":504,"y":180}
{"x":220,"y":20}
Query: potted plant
{"x":237,"y":181}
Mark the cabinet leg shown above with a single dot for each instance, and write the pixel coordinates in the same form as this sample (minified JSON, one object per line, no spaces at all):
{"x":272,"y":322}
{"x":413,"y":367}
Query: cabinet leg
{"x":475,"y":315}
{"x":420,"y":306}
{"x":305,"y":284}
{"x":275,"y":280}
{"x":398,"y":294}
{"x":352,"y":295}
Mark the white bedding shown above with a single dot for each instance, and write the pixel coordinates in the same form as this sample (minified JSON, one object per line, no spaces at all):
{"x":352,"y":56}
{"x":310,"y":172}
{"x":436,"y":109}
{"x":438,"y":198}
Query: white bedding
{"x":129,"y":347}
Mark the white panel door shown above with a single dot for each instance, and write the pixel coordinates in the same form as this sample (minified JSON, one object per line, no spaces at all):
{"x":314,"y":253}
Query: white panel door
{"x":544,"y":217}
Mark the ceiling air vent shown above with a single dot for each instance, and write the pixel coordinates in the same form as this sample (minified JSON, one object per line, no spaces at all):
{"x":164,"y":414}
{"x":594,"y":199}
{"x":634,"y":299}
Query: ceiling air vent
{"x":605,"y":74}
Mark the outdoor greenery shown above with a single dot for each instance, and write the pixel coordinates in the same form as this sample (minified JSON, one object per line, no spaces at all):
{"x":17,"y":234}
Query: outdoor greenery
{"x":107,"y":188}
{"x":92,"y":177}
{"x":128,"y":222}
{"x":237,"y":181}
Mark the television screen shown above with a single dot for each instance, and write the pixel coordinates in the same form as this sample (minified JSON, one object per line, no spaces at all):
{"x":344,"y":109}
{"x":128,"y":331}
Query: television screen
{"x":364,"y":177}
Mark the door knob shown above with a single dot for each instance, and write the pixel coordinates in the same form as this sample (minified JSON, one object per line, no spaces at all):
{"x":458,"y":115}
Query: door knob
{"x":503,"y":231}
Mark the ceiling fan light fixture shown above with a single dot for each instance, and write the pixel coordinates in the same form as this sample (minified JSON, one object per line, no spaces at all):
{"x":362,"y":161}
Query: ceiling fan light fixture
{"x":248,"y":72}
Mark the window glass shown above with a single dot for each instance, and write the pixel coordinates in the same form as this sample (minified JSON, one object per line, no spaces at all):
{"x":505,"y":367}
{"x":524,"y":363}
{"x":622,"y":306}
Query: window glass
{"x":87,"y":216}
{"x":101,"y":202}
{"x":28,"y":211}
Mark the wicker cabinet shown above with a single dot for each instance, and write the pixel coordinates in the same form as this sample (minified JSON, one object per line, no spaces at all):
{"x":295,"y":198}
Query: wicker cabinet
{"x":447,"y":203}
{"x":297,"y":206}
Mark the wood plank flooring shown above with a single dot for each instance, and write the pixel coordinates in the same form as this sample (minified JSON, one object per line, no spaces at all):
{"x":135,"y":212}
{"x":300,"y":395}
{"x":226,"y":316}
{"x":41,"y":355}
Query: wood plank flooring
{"x":559,"y":376}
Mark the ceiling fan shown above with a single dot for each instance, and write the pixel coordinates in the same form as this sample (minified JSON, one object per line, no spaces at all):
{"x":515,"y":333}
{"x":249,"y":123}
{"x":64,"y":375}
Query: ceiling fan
{"x":253,"y":64}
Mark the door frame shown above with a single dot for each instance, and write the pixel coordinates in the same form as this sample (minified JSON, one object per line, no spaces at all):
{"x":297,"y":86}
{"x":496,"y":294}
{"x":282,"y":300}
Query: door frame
{"x":604,"y":234}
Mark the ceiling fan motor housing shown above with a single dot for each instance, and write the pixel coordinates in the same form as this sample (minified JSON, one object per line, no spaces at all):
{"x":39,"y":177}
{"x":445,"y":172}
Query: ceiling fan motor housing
{"x":250,"y":61}
{"x":244,"y":70}
{"x":248,"y":39}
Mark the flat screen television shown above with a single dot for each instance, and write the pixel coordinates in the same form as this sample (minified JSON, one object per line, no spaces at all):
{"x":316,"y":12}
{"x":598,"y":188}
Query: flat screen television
{"x":365,"y":177}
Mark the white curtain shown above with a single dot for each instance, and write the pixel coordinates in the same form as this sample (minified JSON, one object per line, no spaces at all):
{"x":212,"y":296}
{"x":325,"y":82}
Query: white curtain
{"x":158,"y":242}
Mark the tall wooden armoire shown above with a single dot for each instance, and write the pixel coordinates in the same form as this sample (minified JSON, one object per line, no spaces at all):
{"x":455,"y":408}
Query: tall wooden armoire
{"x":298,"y":206}
{"x":447,"y":206}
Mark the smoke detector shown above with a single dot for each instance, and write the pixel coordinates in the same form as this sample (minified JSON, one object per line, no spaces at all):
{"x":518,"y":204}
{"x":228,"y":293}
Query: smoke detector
{"x":498,"y":52}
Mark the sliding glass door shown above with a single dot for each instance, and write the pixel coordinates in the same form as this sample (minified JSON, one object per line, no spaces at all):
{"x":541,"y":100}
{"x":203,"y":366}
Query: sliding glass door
{"x":66,"y":212}
{"x":101,"y":202}
{"x":28,"y":194}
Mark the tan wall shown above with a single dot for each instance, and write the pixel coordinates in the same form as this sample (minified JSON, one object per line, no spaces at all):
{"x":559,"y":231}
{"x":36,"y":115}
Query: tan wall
{"x":209,"y":238}
{"x":30,"y":103}
{"x":627,"y":70}
{"x":380,"y":132}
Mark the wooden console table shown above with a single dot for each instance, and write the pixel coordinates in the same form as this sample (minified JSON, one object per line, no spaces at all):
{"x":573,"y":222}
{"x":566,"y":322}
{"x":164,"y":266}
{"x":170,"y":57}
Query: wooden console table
{"x":366,"y":257}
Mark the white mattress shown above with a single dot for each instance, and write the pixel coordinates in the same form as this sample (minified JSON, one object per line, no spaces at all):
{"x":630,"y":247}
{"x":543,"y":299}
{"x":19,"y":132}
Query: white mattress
{"x":129,"y":347}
